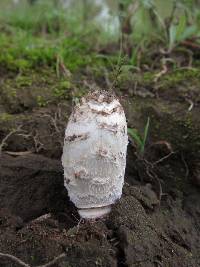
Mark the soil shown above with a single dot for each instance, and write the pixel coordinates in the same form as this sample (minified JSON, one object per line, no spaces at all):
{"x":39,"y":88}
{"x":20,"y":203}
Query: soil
{"x":154,"y":224}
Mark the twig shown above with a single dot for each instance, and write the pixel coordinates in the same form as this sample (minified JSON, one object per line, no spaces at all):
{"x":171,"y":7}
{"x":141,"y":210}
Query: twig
{"x":3,"y":142}
{"x":54,"y":121}
{"x":186,"y":68}
{"x":19,"y":153}
{"x":191,"y":104}
{"x":37,"y":143}
{"x":42,"y":218}
{"x":22,"y":263}
{"x":191,"y":44}
{"x":190,"y":57}
{"x":79,"y":223}
{"x":61,"y":256}
{"x":15,"y":259}
{"x":164,"y":158}
{"x":61,"y":68}
{"x":162,"y":72}
{"x":154,"y":178}
{"x":186,"y":166}
{"x":26,"y":136}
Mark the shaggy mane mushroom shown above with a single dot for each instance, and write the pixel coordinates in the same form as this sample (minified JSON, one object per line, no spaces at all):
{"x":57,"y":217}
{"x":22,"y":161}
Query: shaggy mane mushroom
{"x":94,"y":154}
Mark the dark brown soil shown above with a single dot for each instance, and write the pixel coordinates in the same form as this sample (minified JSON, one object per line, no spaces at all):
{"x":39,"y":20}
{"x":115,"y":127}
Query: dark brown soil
{"x":154,"y":224}
{"x":138,"y":231}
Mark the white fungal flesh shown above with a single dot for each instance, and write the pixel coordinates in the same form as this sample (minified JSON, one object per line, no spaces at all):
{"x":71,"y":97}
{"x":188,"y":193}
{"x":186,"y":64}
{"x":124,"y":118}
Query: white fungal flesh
{"x":95,"y":212}
{"x":94,"y":154}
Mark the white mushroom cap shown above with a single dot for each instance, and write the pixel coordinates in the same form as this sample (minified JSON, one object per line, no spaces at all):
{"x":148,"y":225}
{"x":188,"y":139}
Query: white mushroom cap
{"x":94,"y":153}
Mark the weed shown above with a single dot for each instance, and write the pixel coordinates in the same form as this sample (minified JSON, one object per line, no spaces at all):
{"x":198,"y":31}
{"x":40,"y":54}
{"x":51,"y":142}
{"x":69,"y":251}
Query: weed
{"x":180,"y":32}
{"x":139,"y":139}
{"x":5,"y":117}
{"x":62,"y":90}
{"x":41,"y":101}
{"x":38,"y":35}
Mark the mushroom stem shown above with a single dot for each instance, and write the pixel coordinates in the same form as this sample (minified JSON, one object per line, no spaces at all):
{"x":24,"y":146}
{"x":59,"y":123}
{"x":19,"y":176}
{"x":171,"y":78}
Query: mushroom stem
{"x":94,"y":213}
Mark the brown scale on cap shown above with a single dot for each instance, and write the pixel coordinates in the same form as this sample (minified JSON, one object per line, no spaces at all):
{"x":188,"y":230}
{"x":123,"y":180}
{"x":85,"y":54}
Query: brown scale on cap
{"x":112,"y":128}
{"x":75,"y":137}
{"x":102,"y":152}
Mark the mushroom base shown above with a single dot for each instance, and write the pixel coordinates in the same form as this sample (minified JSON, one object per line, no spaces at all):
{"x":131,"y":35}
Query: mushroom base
{"x":94,"y":213}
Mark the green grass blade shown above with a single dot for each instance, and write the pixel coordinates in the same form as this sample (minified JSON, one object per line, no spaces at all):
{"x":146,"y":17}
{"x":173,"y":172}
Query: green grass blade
{"x":135,"y":136}
{"x":181,"y":26}
{"x":172,"y":36}
{"x":146,"y":130}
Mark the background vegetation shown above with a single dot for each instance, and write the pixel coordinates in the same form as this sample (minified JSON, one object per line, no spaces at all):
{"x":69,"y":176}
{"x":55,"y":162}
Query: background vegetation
{"x":84,"y":32}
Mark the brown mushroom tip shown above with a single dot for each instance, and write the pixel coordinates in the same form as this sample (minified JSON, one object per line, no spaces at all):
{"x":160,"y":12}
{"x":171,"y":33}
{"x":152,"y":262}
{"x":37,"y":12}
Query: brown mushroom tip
{"x":100,"y":96}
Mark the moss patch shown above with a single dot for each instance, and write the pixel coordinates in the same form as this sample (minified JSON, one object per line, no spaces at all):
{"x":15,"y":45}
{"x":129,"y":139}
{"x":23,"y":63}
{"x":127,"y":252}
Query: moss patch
{"x":32,"y":89}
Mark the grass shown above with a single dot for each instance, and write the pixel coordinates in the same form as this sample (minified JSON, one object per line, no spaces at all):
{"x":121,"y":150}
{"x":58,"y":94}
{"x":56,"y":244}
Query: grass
{"x":36,"y":36}
{"x":139,"y":139}
{"x":47,"y":35}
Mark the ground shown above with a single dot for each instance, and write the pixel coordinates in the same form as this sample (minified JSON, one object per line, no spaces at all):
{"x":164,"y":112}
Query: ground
{"x":155,"y":223}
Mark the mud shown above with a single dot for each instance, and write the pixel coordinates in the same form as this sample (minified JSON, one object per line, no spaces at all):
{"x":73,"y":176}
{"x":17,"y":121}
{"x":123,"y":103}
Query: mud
{"x":154,"y":224}
{"x":140,"y":231}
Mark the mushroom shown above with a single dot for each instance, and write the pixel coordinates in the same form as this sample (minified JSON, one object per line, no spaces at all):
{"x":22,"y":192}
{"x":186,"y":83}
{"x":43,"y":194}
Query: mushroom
{"x":94,"y":154}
